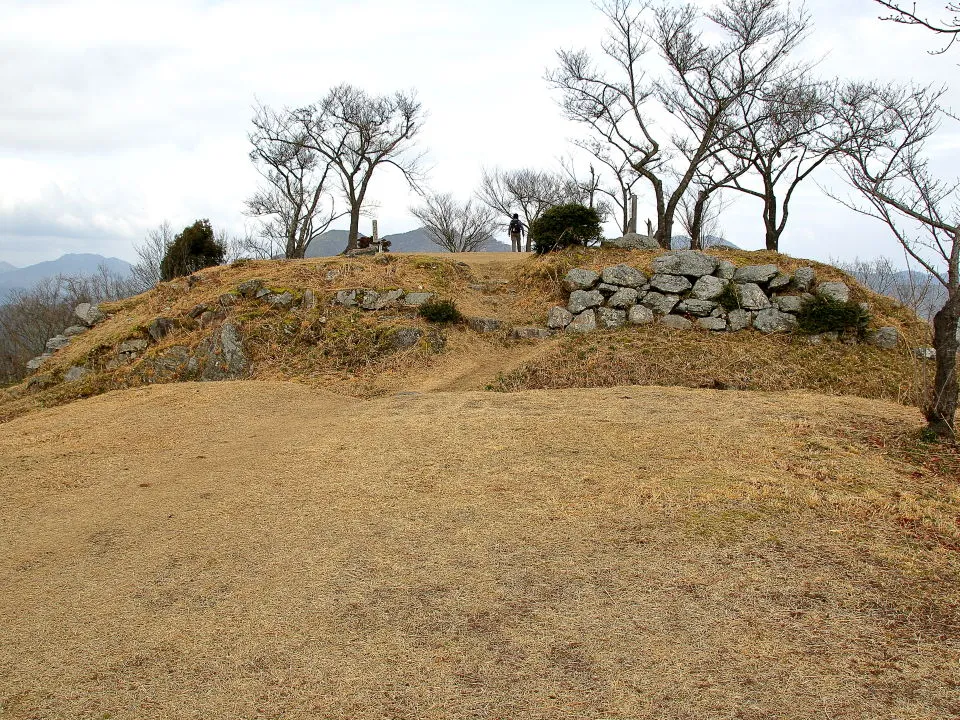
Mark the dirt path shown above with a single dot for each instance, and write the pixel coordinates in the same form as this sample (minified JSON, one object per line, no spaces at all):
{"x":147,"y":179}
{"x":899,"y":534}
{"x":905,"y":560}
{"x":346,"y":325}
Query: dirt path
{"x":262,"y":550}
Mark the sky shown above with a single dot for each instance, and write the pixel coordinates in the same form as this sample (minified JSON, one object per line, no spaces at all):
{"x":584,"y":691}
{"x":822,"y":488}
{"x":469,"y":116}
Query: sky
{"x":116,"y":115}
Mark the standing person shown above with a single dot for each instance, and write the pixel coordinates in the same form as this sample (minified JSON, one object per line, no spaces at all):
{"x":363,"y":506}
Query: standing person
{"x":517,"y":229}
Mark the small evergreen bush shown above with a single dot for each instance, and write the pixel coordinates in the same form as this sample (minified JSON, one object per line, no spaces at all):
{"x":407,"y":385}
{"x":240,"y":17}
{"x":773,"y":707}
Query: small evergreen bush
{"x":823,"y":314}
{"x":440,"y":311}
{"x":729,"y":298}
{"x":564,"y":225}
{"x":193,"y":249}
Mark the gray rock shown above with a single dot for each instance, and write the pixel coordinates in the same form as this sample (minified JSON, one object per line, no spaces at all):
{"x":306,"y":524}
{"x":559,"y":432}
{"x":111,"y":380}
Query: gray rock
{"x":718,"y":312}
{"x":670,"y":283}
{"x":347,"y":298}
{"x":584,"y":322}
{"x":659,"y":303}
{"x":623,"y":298}
{"x":610,"y":318}
{"x":211,"y":318}
{"x":75,"y":373}
{"x":726,"y":270}
{"x":803,"y":278}
{"x":925,"y":353}
{"x":698,"y":308}
{"x":197,"y":310}
{"x":580,"y":279}
{"x":404,"y":337}
{"x":624,"y":276}
{"x":89,"y":314}
{"x":484,"y":324}
{"x":834,"y":290}
{"x":332,"y":275}
{"x":885,"y":338}
{"x":368,"y":299}
{"x":360,"y":252}
{"x":607,"y":289}
{"x":75,"y":330}
{"x":309,"y":301}
{"x":222,"y":357}
{"x":227,"y":300}
{"x":676,"y":322}
{"x":752,"y":297}
{"x":159,"y":328}
{"x":712,"y":323}
{"x":755,"y":273}
{"x":631,"y":241}
{"x":691,"y":263}
{"x":772,"y":320}
{"x":174,"y":363}
{"x":708,"y":287}
{"x":388,"y":298}
{"x":57,"y":342}
{"x":416,"y":299}
{"x":640,"y":315}
{"x":250,"y":288}
{"x":789,"y":303}
{"x":37,"y":362}
{"x":581,"y":300}
{"x":558,"y":318}
{"x":263,"y":293}
{"x":135,"y":345}
{"x":283,"y":300}
{"x":779,"y":282}
{"x":530,"y":333}
{"x":738,"y":320}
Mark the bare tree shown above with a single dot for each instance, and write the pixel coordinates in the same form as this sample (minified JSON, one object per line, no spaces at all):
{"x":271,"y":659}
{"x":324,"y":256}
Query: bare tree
{"x":699,"y":214}
{"x":888,"y":168}
{"x":916,"y":290}
{"x":950,"y":28}
{"x":526,"y":191}
{"x":456,"y":227}
{"x":356,"y":133}
{"x":785,"y":136}
{"x":146,"y":272}
{"x":296,"y":204}
{"x":616,"y":179}
{"x":708,"y":70}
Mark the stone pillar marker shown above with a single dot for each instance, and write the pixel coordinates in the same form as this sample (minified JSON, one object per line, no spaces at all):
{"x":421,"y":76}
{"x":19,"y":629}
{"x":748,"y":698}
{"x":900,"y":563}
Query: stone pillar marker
{"x":632,"y":225}
{"x":376,"y":236}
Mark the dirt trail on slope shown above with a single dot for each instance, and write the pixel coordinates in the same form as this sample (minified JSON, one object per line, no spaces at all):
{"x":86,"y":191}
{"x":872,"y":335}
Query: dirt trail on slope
{"x":264,"y":550}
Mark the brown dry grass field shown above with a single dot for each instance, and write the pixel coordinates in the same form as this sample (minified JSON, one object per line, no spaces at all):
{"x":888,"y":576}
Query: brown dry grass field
{"x":269,"y":550}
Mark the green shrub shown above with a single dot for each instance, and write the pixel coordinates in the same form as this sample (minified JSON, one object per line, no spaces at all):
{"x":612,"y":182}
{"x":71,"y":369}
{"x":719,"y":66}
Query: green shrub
{"x":440,"y":311}
{"x":193,"y":249}
{"x":823,"y":314}
{"x":729,"y":299}
{"x":564,"y":225}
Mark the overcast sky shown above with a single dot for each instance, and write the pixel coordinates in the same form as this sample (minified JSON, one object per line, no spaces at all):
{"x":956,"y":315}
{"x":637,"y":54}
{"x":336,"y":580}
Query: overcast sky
{"x":117,"y":114}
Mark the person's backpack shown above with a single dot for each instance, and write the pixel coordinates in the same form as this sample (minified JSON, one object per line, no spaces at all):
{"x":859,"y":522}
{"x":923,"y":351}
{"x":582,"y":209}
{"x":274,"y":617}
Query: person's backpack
{"x":515,"y":227}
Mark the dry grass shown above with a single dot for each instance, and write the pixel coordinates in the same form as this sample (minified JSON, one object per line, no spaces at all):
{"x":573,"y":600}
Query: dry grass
{"x":264,"y":550}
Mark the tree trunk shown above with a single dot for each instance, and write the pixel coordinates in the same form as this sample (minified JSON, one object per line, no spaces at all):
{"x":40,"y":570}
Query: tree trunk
{"x":354,"y":228}
{"x":770,"y":220}
{"x":696,"y":227}
{"x":943,"y":406}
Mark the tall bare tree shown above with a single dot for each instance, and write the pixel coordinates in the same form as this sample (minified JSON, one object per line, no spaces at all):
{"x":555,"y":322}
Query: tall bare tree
{"x":356,"y":133}
{"x":889,"y":169}
{"x":456,"y":227}
{"x":150,"y":253}
{"x":713,"y":59}
{"x":295,"y":205}
{"x":526,"y":192}
{"x":950,"y":27}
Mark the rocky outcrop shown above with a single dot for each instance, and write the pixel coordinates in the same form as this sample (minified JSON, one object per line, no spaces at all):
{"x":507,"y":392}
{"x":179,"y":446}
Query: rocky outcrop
{"x":221,"y":357}
{"x":89,"y":314}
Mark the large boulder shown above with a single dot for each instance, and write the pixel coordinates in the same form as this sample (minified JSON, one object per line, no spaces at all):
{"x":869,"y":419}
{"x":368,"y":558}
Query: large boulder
{"x":159,"y":328}
{"x":714,"y":324}
{"x":677,"y":322}
{"x":772,"y":320}
{"x":584,"y":322}
{"x":670,"y":283}
{"x":708,"y":288}
{"x":803,"y":278}
{"x":222,"y":357}
{"x":347,"y":298}
{"x":755,"y":273}
{"x":752,"y":297}
{"x":834,"y":290}
{"x":885,"y":337}
{"x":89,"y":314}
{"x":660,"y":303}
{"x":250,"y":288}
{"x":610,"y":318}
{"x":789,"y":303}
{"x":174,"y":363}
{"x":624,"y":276}
{"x":623,"y":298}
{"x":697,"y":308}
{"x":416,"y":299}
{"x":738,"y":320}
{"x":631,"y":241}
{"x":75,"y":330}
{"x":580,"y":279}
{"x":558,"y":318}
{"x":57,"y":342}
{"x":581,"y":300}
{"x":691,"y":263}
{"x":37,"y":362}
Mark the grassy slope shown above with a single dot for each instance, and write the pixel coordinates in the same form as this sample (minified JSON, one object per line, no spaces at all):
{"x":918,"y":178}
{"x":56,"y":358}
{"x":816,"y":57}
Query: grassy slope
{"x":618,"y":553}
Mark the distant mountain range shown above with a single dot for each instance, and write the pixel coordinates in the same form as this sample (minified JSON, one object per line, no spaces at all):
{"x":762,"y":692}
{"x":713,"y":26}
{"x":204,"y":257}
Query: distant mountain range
{"x":332,"y":242}
{"x":14,"y":278}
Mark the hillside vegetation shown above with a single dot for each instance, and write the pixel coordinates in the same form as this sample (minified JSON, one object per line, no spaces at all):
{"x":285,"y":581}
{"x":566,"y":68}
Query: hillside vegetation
{"x":351,"y":352}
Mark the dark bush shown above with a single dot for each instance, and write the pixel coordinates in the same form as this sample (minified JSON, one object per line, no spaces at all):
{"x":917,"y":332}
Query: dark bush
{"x":193,"y":249}
{"x":440,"y":311}
{"x":823,"y":314}
{"x":729,"y":298}
{"x":565,"y":225}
